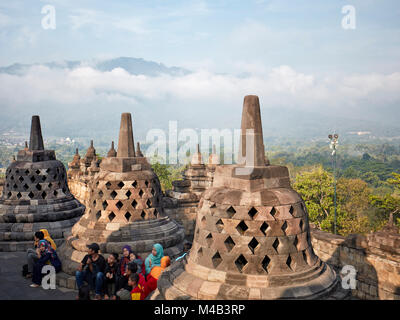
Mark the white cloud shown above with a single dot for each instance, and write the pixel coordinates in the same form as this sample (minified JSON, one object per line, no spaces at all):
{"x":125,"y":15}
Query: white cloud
{"x":282,"y":86}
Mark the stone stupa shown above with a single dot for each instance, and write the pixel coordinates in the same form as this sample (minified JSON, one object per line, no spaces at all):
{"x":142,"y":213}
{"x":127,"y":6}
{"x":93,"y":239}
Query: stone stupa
{"x":252,"y":236}
{"x":36,"y":196}
{"x":124,"y":208}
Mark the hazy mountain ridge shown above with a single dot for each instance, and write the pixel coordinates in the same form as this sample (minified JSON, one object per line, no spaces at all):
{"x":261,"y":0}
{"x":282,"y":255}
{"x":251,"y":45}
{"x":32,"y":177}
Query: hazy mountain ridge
{"x":134,"y":66}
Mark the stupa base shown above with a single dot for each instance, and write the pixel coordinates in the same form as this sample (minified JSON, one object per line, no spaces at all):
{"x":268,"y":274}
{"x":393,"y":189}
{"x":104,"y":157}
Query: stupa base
{"x":184,"y":281}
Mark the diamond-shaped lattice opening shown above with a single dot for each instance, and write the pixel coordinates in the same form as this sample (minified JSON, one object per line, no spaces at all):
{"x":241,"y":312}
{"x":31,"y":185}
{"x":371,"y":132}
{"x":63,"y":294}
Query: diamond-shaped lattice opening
{"x":37,"y":171}
{"x":253,"y":245}
{"x":141,"y":193}
{"x":229,"y":244}
{"x":200,"y":252}
{"x":230,"y":211}
{"x":289,"y":262}
{"x":276,"y":244}
{"x":203,"y":221}
{"x":44,"y":178}
{"x":296,"y":241}
{"x":44,"y":194}
{"x":148,"y":203}
{"x":101,"y":193}
{"x":32,"y":179}
{"x":301,"y":224}
{"x":265,"y":263}
{"x":108,"y":184}
{"x":21,"y":179}
{"x":26,"y":187}
{"x":305,"y":256}
{"x":64,"y":190}
{"x":216,"y":259}
{"x":19,"y":195}
{"x":12,"y":177}
{"x":143,"y":214}
{"x":113,"y":194}
{"x":242,"y":227}
{"x":146,"y":183}
{"x":152,"y":191}
{"x":111,"y":216}
{"x":120,"y":184}
{"x":9,"y":195}
{"x":128,"y":194}
{"x":284,"y":227}
{"x":213,"y":206}
{"x":273,"y":212}
{"x":55,"y":177}
{"x":155,"y":213}
{"x":241,"y":263}
{"x":98,"y":215}
{"x":26,"y":171}
{"x":134,"y":204}
{"x":264,"y":228}
{"x":119,"y":205}
{"x":252,"y":212}
{"x":55,"y":193}
{"x":128,"y":216}
{"x":291,"y":210}
{"x":134,"y":184}
{"x":220,"y":225}
{"x":15,"y":186}
{"x":209,"y":239}
{"x":105,"y":204}
{"x":50,"y":185}
{"x":94,"y":203}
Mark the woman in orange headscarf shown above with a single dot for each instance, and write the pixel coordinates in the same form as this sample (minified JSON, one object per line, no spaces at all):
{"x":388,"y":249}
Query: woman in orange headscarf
{"x":154,"y":275}
{"x":49,"y":239}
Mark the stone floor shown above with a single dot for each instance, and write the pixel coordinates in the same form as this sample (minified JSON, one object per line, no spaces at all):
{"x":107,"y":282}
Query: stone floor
{"x":14,"y":287}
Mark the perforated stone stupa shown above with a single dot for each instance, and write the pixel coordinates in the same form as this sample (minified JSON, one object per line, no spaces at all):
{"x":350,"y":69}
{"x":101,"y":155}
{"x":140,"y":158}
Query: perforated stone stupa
{"x":36,"y":196}
{"x":181,"y":202}
{"x":124,"y":207}
{"x":252,"y":237}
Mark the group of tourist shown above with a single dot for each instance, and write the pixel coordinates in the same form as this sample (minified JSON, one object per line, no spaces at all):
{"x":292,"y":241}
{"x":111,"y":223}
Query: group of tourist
{"x":127,"y":278}
{"x":44,"y":252}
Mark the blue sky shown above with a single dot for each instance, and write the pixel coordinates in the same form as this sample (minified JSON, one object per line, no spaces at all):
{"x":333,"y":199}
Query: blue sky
{"x":222,"y":35}
{"x":293,"y":54}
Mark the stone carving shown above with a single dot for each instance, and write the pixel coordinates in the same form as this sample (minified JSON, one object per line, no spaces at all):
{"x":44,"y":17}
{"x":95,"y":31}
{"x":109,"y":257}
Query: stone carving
{"x":124,"y":207}
{"x":36,"y":196}
{"x":252,"y":236}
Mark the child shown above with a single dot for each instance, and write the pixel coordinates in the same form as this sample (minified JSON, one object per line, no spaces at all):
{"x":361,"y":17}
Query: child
{"x":137,"y":291}
{"x":110,"y":276}
{"x":138,"y":260}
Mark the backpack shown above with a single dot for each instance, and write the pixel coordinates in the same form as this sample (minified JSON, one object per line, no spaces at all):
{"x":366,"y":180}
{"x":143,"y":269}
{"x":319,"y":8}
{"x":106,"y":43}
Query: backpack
{"x":24,"y":270}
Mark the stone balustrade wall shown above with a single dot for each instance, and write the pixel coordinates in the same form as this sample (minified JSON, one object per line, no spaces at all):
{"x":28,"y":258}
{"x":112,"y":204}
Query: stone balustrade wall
{"x":377,"y":262}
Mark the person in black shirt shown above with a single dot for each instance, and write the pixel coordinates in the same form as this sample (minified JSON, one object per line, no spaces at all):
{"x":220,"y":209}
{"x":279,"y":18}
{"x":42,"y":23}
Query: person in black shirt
{"x":92,"y":270}
{"x":110,"y":277}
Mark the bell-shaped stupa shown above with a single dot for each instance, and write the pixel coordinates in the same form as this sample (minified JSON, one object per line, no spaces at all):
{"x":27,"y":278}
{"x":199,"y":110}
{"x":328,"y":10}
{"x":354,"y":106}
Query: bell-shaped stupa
{"x":252,"y":236}
{"x":36,"y":196}
{"x":124,"y":208}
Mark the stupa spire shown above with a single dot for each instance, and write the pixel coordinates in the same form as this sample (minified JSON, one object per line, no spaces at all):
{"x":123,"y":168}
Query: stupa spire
{"x":138,"y":151}
{"x":126,"y":147}
{"x":36,"y":139}
{"x":251,"y":136}
{"x":112,"y":153}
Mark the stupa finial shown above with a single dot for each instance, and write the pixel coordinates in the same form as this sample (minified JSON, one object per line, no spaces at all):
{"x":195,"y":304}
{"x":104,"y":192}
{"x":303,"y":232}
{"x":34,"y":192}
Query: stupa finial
{"x":36,"y":139}
{"x":112,"y":153}
{"x":251,"y":147}
{"x":138,"y":151}
{"x":126,"y":147}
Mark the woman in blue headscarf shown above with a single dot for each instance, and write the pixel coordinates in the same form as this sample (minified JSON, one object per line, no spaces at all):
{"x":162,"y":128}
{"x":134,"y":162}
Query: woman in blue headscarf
{"x":45,"y":254}
{"x":154,"y":259}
